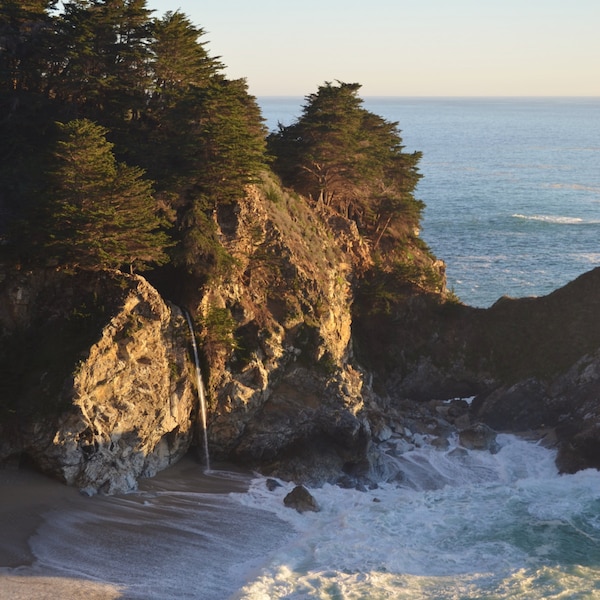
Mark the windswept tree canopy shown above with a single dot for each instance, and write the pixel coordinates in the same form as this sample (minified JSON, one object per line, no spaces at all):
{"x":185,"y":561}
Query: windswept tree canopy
{"x":179,"y":59}
{"x":101,"y":58}
{"x":24,"y":42}
{"x":221,"y":149}
{"x":350,"y":159}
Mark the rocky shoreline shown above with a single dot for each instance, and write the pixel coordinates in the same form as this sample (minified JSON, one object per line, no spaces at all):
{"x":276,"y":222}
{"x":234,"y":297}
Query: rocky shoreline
{"x":306,"y":425}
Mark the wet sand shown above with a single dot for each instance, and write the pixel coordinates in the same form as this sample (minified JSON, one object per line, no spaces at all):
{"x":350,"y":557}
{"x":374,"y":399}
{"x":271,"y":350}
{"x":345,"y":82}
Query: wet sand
{"x":180,"y":529}
{"x":24,"y":497}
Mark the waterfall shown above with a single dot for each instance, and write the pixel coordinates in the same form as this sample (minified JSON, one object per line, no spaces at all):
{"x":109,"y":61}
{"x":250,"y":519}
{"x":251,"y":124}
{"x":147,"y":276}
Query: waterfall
{"x":201,"y":394}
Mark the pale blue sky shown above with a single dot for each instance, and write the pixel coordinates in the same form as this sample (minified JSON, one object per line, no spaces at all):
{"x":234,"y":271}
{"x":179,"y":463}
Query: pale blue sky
{"x":405,"y":47}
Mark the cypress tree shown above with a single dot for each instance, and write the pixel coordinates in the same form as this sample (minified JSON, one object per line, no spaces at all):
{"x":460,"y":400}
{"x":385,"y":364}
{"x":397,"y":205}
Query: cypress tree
{"x":352,"y":160}
{"x":103,"y":61}
{"x":180,"y":59}
{"x":102,"y":213}
{"x":26,"y":35}
{"x":221,"y":150}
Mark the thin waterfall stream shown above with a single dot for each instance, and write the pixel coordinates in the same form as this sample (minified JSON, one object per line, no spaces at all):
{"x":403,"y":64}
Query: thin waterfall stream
{"x":201,"y":394}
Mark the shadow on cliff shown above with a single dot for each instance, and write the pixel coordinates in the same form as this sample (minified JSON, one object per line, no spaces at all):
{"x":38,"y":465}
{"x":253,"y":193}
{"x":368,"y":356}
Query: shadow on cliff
{"x":531,"y":362}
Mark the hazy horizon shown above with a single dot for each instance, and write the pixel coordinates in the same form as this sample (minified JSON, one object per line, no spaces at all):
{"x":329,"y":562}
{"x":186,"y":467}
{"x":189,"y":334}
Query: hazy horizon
{"x":508,"y":48}
{"x":443,"y":96}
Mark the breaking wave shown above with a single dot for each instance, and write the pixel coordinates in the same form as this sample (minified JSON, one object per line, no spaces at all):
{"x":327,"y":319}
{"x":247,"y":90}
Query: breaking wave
{"x":470,"y":525}
{"x":556,"y":219}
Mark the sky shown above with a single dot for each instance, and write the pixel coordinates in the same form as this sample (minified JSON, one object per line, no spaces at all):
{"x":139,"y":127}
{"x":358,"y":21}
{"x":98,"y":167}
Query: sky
{"x":404,"y":47}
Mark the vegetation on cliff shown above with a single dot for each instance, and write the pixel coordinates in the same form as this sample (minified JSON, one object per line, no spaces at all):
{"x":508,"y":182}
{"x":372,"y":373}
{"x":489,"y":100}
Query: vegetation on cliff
{"x":134,"y":105}
{"x":124,"y":146}
{"x":352,"y":161}
{"x":100,"y":213}
{"x":344,"y":156}
{"x":183,"y":136}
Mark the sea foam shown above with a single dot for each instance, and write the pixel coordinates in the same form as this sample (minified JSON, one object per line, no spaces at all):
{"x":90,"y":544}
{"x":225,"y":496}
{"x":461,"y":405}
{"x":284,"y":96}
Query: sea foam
{"x":495,"y":525}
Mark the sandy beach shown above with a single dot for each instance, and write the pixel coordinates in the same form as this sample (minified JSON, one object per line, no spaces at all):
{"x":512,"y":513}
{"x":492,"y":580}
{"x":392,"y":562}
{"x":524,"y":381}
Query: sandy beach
{"x":180,"y":536}
{"x":24,"y":497}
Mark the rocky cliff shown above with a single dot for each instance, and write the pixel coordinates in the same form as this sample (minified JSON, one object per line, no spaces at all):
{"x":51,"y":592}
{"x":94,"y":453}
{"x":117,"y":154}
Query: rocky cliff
{"x":312,"y":366}
{"x":107,"y":399}
{"x":96,"y":378}
{"x":286,"y":394}
{"x":531,"y":364}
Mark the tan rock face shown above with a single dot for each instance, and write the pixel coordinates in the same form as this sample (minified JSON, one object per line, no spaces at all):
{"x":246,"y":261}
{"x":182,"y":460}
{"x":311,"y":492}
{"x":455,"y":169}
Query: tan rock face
{"x":130,"y":406}
{"x":290,"y":377}
{"x":286,"y":393}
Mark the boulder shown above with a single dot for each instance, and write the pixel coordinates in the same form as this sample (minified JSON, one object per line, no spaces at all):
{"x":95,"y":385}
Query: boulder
{"x":118,"y":406}
{"x":302,"y":500}
{"x":478,"y":437}
{"x":578,"y":431}
{"x":517,"y":407}
{"x":272,"y":484}
{"x":562,"y":410}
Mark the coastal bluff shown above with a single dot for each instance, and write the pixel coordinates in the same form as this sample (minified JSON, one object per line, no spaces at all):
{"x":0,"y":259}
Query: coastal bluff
{"x":530,"y":365}
{"x":105,"y":399}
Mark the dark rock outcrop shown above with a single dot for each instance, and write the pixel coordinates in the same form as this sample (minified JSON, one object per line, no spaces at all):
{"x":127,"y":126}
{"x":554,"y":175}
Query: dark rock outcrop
{"x":426,"y":348}
{"x":301,"y":500}
{"x":306,"y":431}
{"x":567,"y":404}
{"x":533,"y":364}
{"x":521,"y":406}
{"x":272,"y":484}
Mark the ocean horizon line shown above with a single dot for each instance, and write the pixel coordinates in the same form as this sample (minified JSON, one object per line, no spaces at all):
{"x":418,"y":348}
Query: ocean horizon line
{"x":440,"y":97}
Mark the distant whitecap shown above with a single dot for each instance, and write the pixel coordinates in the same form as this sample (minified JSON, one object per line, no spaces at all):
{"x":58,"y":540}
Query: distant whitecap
{"x":559,"y":220}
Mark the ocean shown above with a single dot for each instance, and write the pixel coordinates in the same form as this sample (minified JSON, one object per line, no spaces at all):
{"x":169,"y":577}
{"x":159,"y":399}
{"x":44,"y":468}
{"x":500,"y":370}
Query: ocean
{"x":511,"y":186}
{"x":512,"y":189}
{"x":463,"y":525}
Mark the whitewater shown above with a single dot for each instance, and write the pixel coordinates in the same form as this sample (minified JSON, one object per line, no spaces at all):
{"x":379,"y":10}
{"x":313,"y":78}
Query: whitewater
{"x":512,"y":189}
{"x":460,"y":524}
{"x":465,"y":524}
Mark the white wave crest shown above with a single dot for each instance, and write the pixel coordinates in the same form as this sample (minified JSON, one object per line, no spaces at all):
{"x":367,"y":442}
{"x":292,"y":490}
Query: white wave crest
{"x":578,"y":187}
{"x":556,"y":219}
{"x":591,"y":257}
